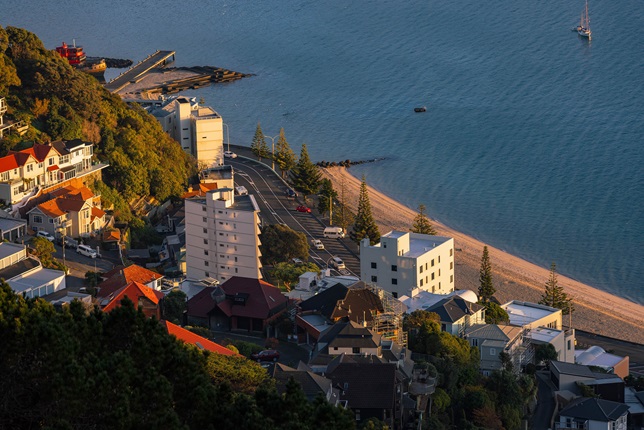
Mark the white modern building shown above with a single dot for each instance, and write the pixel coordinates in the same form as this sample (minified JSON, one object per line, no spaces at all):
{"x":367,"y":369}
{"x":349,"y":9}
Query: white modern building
{"x":25,"y":275}
{"x":198,"y":129}
{"x":222,"y":236}
{"x":403,"y":261}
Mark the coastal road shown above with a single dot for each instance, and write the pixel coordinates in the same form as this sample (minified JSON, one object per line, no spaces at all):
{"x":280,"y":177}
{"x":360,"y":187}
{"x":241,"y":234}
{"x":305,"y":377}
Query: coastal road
{"x":268,"y":189}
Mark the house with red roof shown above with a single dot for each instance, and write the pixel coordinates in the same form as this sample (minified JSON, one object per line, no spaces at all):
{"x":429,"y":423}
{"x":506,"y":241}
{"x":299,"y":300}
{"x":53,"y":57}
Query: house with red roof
{"x":72,"y":212}
{"x":244,"y":304}
{"x":199,"y":341}
{"x":121,"y":276}
{"x":32,"y":170}
{"x":147,"y":299}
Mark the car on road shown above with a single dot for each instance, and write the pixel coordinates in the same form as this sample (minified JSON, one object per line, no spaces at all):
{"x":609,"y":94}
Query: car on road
{"x":304,"y":209}
{"x":334,"y":232}
{"x":297,"y":261}
{"x":241,"y":190}
{"x":290,"y":193}
{"x":337,"y":263}
{"x":46,"y":235}
{"x":229,"y":154}
{"x":266,"y":355}
{"x":317,"y":244}
{"x":87,"y":251}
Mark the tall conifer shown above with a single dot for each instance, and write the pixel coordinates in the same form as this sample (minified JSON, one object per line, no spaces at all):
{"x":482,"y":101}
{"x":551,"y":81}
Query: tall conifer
{"x":259,"y":147}
{"x":555,"y":296}
{"x":284,"y":155}
{"x":364,"y":225}
{"x":421,"y":223}
{"x":486,"y":287}
{"x":305,"y":176}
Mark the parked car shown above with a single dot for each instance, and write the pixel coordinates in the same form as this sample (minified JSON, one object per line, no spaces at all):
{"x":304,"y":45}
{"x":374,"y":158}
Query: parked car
{"x":290,"y":193}
{"x":266,"y":355}
{"x":67,"y":241}
{"x":317,"y":244}
{"x":304,"y":209}
{"x":46,"y":235}
{"x":87,"y":251}
{"x":297,"y":261}
{"x":229,"y":154}
{"x":241,"y":190}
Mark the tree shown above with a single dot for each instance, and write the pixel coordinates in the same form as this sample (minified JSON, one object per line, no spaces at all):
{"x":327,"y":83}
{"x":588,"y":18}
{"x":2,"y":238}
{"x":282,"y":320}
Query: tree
{"x":495,"y":314}
{"x":545,"y":353}
{"x":284,"y":155}
{"x":174,"y":304}
{"x":555,"y":296}
{"x":486,"y":287}
{"x":364,"y":225}
{"x":280,"y":244}
{"x":259,"y":147}
{"x":305,"y":176}
{"x":326,"y":196}
{"x":421,"y":223}
{"x":289,"y":273}
{"x":44,"y":250}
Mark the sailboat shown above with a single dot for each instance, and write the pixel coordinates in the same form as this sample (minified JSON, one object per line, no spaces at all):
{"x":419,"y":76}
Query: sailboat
{"x":583,"y":29}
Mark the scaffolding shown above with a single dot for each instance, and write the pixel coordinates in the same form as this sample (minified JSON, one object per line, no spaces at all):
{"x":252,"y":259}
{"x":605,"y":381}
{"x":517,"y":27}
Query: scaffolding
{"x":388,"y":322}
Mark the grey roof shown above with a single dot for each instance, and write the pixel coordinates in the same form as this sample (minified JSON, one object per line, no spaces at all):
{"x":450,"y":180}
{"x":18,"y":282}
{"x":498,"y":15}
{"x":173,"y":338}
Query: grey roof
{"x":351,"y":334}
{"x":7,"y":224}
{"x":312,"y":384}
{"x":8,"y":248}
{"x":452,"y":309}
{"x":493,"y":331}
{"x":18,"y":268}
{"x":339,"y":301}
{"x":594,"y":409}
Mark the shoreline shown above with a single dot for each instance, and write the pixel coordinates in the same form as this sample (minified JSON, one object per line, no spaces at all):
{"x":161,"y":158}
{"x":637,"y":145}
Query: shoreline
{"x":596,"y":311}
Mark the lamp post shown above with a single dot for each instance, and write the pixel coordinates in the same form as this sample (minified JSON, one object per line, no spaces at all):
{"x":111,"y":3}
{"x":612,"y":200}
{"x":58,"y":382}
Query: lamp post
{"x":227,"y":135}
{"x":272,"y":150}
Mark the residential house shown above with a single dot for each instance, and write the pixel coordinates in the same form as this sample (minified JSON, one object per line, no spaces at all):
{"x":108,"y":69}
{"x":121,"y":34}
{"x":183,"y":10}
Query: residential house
{"x":240,"y":304}
{"x":596,"y":356}
{"x":43,"y":166}
{"x":593,"y":414}
{"x":423,"y":300}
{"x":222,"y":236}
{"x":569,"y":377}
{"x":200,"y":342}
{"x":456,"y":314}
{"x":73,"y":212}
{"x":121,"y":276}
{"x":12,"y":229}
{"x":635,"y":402}
{"x":492,"y":340}
{"x":147,"y":299}
{"x":29,"y":278}
{"x":312,"y":385}
{"x":403,"y":261}
{"x":11,"y":253}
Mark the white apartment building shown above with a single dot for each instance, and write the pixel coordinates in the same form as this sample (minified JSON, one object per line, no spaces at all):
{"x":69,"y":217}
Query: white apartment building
{"x":222,"y":236}
{"x":198,"y":129}
{"x":403,"y":261}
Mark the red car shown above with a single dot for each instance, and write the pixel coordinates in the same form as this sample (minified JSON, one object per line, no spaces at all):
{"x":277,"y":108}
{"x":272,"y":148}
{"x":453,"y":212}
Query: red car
{"x":266,"y":355}
{"x":303,"y":209}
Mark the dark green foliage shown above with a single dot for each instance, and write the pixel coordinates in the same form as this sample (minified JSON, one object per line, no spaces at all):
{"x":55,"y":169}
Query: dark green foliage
{"x":145,"y":236}
{"x":486,"y":286}
{"x":495,"y":314}
{"x":73,"y":370}
{"x":555,"y":296}
{"x":63,"y":103}
{"x":44,"y":250}
{"x":174,"y":304}
{"x":258,"y":146}
{"x":421,"y":223}
{"x":284,"y":155}
{"x":280,"y":244}
{"x":545,"y":353}
{"x":288,"y":273}
{"x":327,"y":195}
{"x":305,"y":176}
{"x":364,"y":224}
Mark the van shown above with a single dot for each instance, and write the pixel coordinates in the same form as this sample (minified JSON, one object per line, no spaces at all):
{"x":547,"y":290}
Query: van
{"x":337,"y":263}
{"x":317,"y":244}
{"x":334,"y":232}
{"x":241,"y":191}
{"x":86,"y":251}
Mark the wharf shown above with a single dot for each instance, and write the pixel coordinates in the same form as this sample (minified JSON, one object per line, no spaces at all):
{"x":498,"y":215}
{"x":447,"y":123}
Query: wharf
{"x":139,"y":70}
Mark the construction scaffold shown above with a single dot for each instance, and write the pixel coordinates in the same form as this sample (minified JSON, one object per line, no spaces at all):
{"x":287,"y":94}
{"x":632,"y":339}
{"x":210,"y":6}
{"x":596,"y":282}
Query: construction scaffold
{"x":388,"y":323}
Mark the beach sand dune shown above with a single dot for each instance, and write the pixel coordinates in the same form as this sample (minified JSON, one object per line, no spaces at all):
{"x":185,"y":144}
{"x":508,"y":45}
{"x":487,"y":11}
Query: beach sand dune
{"x":515,"y":279}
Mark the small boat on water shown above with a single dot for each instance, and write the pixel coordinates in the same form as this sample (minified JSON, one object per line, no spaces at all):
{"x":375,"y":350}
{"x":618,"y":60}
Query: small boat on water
{"x":583,"y":29}
{"x":77,"y":58}
{"x":420,"y":109}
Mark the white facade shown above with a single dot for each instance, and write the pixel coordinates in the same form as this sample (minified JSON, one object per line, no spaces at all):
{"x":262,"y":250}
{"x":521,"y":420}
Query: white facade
{"x":222,"y":236}
{"x":198,"y":129}
{"x":403,"y":261}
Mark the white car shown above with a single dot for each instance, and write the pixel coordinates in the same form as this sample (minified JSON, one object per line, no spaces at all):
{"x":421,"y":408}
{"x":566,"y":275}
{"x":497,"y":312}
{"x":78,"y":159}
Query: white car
{"x":87,"y":251}
{"x":229,"y":154}
{"x":46,"y":235}
{"x":317,"y":244}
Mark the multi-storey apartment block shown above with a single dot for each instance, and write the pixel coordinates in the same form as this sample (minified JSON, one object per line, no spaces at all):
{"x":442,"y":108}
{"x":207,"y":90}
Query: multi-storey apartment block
{"x":222,"y":236}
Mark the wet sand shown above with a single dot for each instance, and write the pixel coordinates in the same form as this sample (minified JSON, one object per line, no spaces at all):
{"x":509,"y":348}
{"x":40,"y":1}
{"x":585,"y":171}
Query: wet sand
{"x":514,"y":278}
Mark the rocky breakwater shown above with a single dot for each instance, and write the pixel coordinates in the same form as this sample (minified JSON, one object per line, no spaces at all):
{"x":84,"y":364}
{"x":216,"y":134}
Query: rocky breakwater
{"x":347,"y":163}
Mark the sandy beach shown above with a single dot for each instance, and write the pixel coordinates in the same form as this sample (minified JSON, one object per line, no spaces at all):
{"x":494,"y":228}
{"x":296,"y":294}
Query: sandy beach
{"x":514,"y":278}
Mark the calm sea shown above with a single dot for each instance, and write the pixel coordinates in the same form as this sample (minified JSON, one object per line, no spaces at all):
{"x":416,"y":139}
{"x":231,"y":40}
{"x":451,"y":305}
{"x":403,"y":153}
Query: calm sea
{"x":533,"y":139}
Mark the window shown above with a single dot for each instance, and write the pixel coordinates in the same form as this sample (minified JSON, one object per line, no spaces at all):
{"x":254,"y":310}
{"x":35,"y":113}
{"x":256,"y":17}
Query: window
{"x":374,"y":265}
{"x":394,"y":294}
{"x":51,"y":220}
{"x":30,"y":167}
{"x":205,"y":230}
{"x":394,"y":268}
{"x":205,"y":252}
{"x":205,"y":241}
{"x":451,"y":265}
{"x":421,"y":282}
{"x":51,"y":161}
{"x":204,"y":219}
{"x":451,"y":252}
{"x":203,"y":208}
{"x":451,"y":278}
{"x":475,"y":342}
{"x":421,"y":269}
{"x":37,"y":219}
{"x":432,"y":276}
{"x":374,"y":279}
{"x":432,"y":262}
{"x":235,"y":259}
{"x":206,"y":274}
{"x":206,"y":263}
{"x":384,"y":244}
{"x":439,"y":259}
{"x":492,"y":351}
{"x":355,"y":350}
{"x":335,"y":348}
{"x":236,"y":270}
{"x":394,"y":281}
{"x":443,"y":327}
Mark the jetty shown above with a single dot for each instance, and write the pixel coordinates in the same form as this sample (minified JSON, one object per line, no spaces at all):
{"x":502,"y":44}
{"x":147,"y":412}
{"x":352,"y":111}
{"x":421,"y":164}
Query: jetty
{"x":139,"y":70}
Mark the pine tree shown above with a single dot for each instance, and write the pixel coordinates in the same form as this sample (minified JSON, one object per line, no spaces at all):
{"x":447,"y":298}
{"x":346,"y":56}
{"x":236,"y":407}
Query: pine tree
{"x":364,"y":225}
{"x":421,"y":223}
{"x":486,"y":287}
{"x":555,"y":296}
{"x":259,"y":146}
{"x":284,"y":155}
{"x":326,"y":197}
{"x":305,"y":176}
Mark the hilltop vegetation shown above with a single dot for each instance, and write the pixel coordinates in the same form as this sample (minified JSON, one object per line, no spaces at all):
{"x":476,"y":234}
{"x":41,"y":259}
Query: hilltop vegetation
{"x":60,"y":102}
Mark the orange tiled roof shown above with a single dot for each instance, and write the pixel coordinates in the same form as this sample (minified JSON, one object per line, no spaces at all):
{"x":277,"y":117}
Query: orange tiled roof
{"x":8,"y":162}
{"x":133,"y":291}
{"x":51,"y":208}
{"x":69,"y":205}
{"x":201,"y":342}
{"x":120,"y":276}
{"x":203,"y":189}
{"x":111,"y":235}
{"x":97,"y":213}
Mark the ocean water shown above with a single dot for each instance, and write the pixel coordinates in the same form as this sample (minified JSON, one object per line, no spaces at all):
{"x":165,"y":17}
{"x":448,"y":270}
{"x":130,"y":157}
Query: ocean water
{"x":533,"y":139}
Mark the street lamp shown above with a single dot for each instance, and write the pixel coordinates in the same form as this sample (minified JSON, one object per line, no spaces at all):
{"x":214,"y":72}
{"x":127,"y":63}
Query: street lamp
{"x":227,"y":135}
{"x":272,"y":149}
